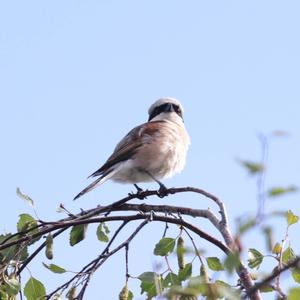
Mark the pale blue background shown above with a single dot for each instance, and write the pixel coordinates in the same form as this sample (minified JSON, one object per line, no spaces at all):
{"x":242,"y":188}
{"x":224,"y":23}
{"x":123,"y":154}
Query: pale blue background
{"x":75,"y":76}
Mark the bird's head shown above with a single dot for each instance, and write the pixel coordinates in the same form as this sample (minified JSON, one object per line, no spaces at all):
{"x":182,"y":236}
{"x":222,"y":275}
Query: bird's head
{"x":166,"y":108}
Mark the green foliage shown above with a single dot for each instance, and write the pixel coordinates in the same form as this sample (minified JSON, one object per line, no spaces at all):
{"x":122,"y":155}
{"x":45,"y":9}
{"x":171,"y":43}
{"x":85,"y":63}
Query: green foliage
{"x":255,"y":258}
{"x":77,"y":234}
{"x":34,"y":289}
{"x":268,"y":233}
{"x":252,"y":167}
{"x":186,"y":272}
{"x":55,"y":268}
{"x":11,"y":286}
{"x":185,"y":283}
{"x":214,"y":263}
{"x":102,"y":232}
{"x":15,"y":252}
{"x":277,"y":249}
{"x":24,"y":197}
{"x":294,"y":293}
{"x":28,"y":224}
{"x":150,"y":284}
{"x":232,"y":262}
{"x":164,"y":246}
{"x":245,"y":224}
{"x":280,"y":191}
{"x":171,"y":279}
{"x":291,"y":218}
{"x":288,"y":255}
{"x":266,"y":289}
{"x":296,"y":275}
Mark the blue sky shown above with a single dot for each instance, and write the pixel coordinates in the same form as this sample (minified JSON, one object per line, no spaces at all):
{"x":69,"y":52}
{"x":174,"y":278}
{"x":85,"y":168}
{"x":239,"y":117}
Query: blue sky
{"x":76,"y":76}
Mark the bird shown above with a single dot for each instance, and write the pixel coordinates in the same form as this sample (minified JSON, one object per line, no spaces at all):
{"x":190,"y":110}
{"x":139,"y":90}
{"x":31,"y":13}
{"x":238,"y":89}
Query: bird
{"x":150,"y":152}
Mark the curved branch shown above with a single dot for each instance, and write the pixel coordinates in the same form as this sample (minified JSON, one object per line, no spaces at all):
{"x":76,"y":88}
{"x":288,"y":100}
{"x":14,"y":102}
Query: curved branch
{"x":172,"y":220}
{"x":89,"y":216}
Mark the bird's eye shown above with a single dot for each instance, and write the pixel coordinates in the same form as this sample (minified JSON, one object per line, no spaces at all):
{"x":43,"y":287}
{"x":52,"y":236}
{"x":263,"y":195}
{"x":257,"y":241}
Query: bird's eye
{"x":177,"y":110}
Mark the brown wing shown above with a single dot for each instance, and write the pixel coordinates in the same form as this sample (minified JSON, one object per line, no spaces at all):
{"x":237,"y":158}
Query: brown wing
{"x":129,"y":145}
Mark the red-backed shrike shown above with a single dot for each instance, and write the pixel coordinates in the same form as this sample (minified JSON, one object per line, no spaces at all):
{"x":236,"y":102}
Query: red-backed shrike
{"x":149,"y":152}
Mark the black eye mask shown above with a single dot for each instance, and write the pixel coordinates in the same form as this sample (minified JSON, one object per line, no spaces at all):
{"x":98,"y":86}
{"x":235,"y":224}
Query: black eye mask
{"x":165,"y":108}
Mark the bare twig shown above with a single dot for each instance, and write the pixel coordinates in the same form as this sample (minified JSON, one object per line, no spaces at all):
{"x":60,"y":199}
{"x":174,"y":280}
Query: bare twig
{"x":106,"y":256}
{"x":261,"y":195}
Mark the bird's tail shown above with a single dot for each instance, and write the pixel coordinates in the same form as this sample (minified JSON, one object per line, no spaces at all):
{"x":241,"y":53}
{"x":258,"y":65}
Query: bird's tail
{"x":98,"y":181}
{"x":90,"y":187}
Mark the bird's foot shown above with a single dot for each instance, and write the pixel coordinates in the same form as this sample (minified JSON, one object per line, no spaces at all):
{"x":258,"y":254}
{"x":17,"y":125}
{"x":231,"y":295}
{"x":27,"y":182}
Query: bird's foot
{"x":140,"y":193}
{"x":163,"y":191}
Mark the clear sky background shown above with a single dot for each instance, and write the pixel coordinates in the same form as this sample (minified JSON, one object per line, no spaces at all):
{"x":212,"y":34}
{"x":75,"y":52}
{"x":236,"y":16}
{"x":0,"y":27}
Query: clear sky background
{"x":75,"y":76}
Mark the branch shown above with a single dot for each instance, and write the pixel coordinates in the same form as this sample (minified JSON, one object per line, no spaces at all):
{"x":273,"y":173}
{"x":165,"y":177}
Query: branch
{"x":106,"y":256}
{"x":293,"y":264}
{"x":102,"y":214}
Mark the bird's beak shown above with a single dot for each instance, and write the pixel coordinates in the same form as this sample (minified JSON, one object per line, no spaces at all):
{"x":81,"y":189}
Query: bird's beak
{"x":170,"y":108}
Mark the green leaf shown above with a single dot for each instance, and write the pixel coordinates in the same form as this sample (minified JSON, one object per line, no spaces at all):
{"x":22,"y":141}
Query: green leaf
{"x":164,"y":246}
{"x":214,"y":263}
{"x":222,"y":283}
{"x":279,"y":191}
{"x":291,"y":218}
{"x":277,"y":248}
{"x":12,"y":252}
{"x":149,"y":282}
{"x":26,"y":222}
{"x":12,"y":286}
{"x":288,"y":255}
{"x":296,"y":275}
{"x":183,"y":293}
{"x":252,"y":167}
{"x":294,"y":294}
{"x":268,"y":232}
{"x":226,"y":291}
{"x":266,"y":289}
{"x":170,"y":280}
{"x":25,"y":197}
{"x":186,"y":272}
{"x":3,"y":294}
{"x":130,"y":295}
{"x":245,"y":225}
{"x":77,"y":234}
{"x":147,"y":277}
{"x":232,"y":262}
{"x":255,"y":258}
{"x":34,"y":289}
{"x":101,"y":234}
{"x":55,"y":268}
